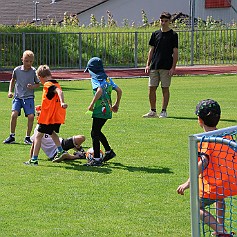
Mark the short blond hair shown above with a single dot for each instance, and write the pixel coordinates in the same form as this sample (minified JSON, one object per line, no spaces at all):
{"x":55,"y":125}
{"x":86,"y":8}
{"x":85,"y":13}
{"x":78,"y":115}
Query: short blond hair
{"x":28,"y":53}
{"x":43,"y":71}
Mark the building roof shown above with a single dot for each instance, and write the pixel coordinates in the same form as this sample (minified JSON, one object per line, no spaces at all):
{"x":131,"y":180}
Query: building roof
{"x":14,"y":12}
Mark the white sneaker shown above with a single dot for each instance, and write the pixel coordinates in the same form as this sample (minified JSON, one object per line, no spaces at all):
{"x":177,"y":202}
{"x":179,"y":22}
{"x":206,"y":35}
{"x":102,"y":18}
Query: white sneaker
{"x":163,"y":114}
{"x":150,"y":114}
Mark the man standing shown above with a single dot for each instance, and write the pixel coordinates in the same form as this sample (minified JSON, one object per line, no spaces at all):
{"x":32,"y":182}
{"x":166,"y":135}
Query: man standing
{"x":161,"y":64}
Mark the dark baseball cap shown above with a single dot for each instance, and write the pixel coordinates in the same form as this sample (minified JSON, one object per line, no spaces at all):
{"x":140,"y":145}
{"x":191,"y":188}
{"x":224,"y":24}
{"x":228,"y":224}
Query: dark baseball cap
{"x":96,"y":69}
{"x":208,"y":107}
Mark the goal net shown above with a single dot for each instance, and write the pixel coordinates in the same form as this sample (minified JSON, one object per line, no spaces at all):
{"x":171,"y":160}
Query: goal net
{"x":213,"y":187}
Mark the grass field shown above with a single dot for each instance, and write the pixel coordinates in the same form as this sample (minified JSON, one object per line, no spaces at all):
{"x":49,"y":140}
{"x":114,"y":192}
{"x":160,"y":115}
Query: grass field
{"x":135,"y":193}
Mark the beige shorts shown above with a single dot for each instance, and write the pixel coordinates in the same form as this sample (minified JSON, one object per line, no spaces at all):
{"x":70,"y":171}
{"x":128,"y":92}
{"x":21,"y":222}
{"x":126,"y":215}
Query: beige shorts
{"x":157,"y":76}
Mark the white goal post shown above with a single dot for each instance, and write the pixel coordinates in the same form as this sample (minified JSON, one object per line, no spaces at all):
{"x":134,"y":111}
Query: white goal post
{"x":213,"y":137}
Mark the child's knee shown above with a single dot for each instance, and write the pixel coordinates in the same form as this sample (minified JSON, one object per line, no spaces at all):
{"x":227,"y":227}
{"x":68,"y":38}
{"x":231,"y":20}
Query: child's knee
{"x":31,"y":117}
{"x":14,"y":114}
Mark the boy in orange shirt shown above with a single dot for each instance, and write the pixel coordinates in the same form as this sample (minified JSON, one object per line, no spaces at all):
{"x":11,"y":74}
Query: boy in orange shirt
{"x":53,"y":112}
{"x":215,"y":183}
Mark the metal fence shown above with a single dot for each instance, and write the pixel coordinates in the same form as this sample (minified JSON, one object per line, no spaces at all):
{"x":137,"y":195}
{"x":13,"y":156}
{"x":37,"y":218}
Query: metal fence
{"x":117,"y":49}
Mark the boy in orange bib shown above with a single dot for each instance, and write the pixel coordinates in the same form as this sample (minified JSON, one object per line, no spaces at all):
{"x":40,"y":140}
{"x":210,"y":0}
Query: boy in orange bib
{"x":53,"y":112}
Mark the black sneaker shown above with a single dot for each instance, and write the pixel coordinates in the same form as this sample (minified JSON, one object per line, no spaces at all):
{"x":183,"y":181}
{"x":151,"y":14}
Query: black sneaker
{"x":27,"y":141}
{"x":94,"y":162}
{"x":109,"y":155}
{"x":9,"y":140}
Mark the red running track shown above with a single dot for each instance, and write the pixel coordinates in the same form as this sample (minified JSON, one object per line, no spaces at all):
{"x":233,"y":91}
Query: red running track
{"x":133,"y":72}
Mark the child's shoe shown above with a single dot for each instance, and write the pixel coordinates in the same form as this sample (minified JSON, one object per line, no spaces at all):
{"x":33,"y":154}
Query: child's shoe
{"x":31,"y":162}
{"x":94,"y":162}
{"x":60,"y":156}
{"x":27,"y":141}
{"x":9,"y":140}
{"x":109,"y":155}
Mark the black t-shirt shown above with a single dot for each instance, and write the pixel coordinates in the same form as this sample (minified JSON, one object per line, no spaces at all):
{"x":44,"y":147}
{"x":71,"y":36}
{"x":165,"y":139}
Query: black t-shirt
{"x":164,"y":43}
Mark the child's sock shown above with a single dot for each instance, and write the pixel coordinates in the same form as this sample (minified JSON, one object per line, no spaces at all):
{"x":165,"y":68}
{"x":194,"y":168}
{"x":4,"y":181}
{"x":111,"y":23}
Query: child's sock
{"x":34,"y":158}
{"x":59,"y":148}
{"x":12,"y":134}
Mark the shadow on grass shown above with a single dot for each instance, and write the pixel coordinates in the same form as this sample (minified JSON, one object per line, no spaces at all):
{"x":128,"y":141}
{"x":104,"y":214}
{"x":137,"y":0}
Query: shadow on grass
{"x":183,"y":118}
{"x":107,"y":168}
{"x":188,"y":118}
{"x":64,"y":88}
{"x":159,"y":170}
{"x":81,"y":167}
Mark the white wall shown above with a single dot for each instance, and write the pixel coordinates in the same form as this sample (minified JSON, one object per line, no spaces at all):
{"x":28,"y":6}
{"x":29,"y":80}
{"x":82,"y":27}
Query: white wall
{"x":225,"y":14}
{"x":131,"y":10}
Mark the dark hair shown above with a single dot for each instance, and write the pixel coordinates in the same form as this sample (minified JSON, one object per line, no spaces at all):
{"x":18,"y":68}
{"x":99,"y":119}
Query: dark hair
{"x":209,"y":111}
{"x":165,"y":15}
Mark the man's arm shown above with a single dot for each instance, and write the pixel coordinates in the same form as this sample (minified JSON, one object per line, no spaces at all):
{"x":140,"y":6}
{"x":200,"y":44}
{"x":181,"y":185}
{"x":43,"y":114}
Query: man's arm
{"x":175,"y":60}
{"x":149,"y":58}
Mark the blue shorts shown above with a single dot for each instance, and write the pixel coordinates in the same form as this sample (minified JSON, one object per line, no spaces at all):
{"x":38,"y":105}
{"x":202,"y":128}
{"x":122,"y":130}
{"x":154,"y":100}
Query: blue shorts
{"x":27,"y":104}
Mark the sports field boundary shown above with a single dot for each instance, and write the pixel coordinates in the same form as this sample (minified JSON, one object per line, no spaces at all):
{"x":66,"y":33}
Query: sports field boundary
{"x":73,"y":74}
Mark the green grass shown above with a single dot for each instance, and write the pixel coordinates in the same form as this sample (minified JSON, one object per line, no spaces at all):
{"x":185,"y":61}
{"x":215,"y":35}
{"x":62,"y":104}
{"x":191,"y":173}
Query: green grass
{"x":135,"y":193}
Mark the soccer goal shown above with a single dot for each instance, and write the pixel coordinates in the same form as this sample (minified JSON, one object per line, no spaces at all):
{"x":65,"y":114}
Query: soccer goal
{"x":218,"y":182}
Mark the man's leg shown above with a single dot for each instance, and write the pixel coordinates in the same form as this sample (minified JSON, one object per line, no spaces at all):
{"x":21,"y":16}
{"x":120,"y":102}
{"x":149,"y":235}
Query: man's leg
{"x":152,"y":97}
{"x":166,"y":97}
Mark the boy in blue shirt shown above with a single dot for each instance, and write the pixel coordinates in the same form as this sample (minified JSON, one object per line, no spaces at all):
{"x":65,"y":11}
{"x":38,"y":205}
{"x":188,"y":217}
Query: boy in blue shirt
{"x":102,"y":108}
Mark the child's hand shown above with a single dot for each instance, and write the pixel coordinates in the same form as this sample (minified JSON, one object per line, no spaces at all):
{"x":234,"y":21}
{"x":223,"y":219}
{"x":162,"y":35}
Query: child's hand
{"x":182,"y":188}
{"x":64,"y":105}
{"x":115,"y":108}
{"x":90,"y":107}
{"x":10,"y":95}
{"x":30,"y":86}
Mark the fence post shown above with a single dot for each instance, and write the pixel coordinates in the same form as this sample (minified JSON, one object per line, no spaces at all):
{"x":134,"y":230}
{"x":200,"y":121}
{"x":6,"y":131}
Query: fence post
{"x":80,"y":50}
{"x":135,"y":49}
{"x":23,"y":41}
{"x":192,"y":13}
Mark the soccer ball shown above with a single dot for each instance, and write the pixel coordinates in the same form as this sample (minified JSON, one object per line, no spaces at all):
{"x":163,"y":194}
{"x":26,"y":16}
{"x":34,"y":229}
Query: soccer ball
{"x":90,"y":154}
